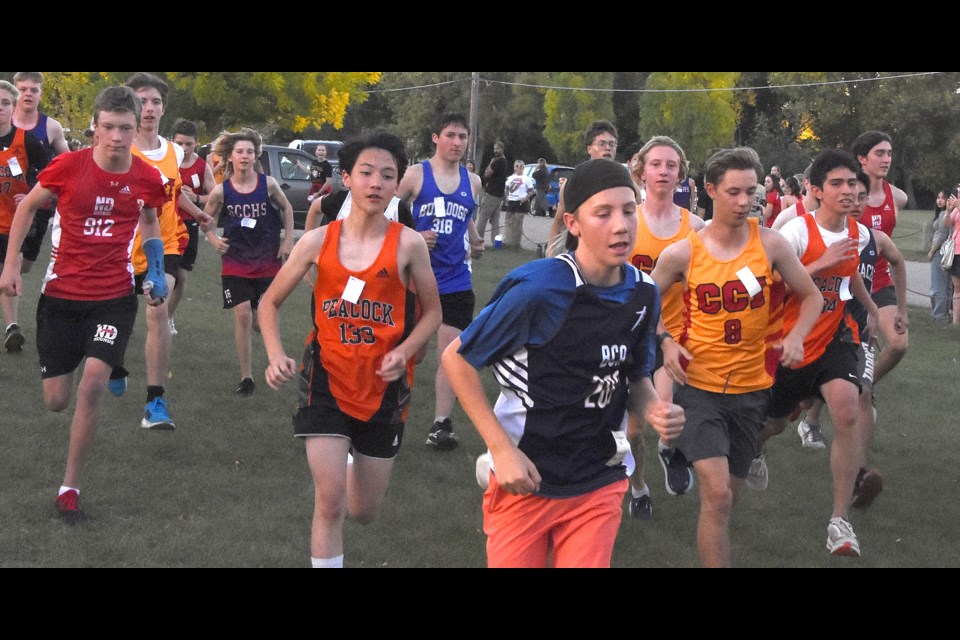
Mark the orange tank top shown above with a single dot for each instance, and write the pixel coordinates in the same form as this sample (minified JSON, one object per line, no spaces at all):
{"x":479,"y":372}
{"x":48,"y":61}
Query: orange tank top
{"x":727,"y":328}
{"x":172,"y":228}
{"x":10,"y":184}
{"x":646,"y":252}
{"x":354,"y":337}
{"x":829,"y":282}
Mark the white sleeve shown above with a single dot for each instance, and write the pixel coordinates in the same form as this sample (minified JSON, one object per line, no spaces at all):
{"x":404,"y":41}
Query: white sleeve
{"x":795,"y":232}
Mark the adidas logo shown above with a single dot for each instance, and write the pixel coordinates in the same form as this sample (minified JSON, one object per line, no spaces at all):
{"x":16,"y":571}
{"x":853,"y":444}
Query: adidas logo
{"x":126,"y":189}
{"x":383,"y":273}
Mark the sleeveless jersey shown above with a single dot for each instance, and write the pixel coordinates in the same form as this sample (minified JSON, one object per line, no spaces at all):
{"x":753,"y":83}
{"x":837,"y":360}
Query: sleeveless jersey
{"x":828,"y":281}
{"x":773,"y":198}
{"x":727,"y":328}
{"x":646,"y":252}
{"x":39,"y":131}
{"x":868,"y":260}
{"x":171,"y":227}
{"x":94,"y":225}
{"x":449,"y":258}
{"x":800,"y":210}
{"x":354,"y":337}
{"x":562,"y":400}
{"x":681,"y":197}
{"x":884,"y":218}
{"x":252,"y":225}
{"x":192,"y":176}
{"x":12,"y":182}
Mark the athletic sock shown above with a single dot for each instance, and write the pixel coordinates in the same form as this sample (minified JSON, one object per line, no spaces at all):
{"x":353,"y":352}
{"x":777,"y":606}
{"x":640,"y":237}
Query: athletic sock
{"x":327,"y":563}
{"x":440,"y":418}
{"x":154,"y":391}
{"x":64,"y":488}
{"x":643,"y":492}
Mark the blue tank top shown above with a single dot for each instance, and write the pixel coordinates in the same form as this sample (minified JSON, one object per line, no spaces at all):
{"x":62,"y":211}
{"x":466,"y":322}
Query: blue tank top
{"x":252,"y":225}
{"x":40,"y":133}
{"x":449,"y":258}
{"x":681,"y":197}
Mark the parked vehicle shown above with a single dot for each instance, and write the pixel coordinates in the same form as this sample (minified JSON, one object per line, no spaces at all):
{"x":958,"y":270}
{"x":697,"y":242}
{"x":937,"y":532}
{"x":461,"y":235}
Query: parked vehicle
{"x":557,"y":171}
{"x":333,"y":151}
{"x":291,"y":169}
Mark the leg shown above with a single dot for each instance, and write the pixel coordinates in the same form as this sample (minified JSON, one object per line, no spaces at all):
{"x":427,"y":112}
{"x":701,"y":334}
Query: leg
{"x":641,"y":506}
{"x":86,"y":417}
{"x":157,"y":348}
{"x":584,"y":534}
{"x":243,"y":328}
{"x":846,"y":451}
{"x":486,"y":210}
{"x":367,"y":481}
{"x":716,"y":504}
{"x":176,"y":294}
{"x":895,"y":344}
{"x":57,"y":392}
{"x":327,"y":458}
{"x":956,"y":298}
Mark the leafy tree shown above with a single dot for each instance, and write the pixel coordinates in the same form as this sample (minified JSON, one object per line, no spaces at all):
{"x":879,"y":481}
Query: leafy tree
{"x":569,"y":113}
{"x":698,"y":121}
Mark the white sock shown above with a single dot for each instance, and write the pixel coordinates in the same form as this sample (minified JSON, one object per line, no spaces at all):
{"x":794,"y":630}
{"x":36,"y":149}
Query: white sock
{"x":440,"y":418}
{"x":643,"y":492}
{"x":327,"y":563}
{"x":64,"y":488}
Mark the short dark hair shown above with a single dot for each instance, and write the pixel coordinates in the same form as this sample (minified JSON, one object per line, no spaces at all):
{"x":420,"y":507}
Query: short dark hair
{"x":379,"y":139}
{"x":186,"y":128}
{"x":33,"y":76}
{"x":866,"y":141}
{"x":116,"y":100}
{"x":863,"y":178}
{"x":827,"y":161}
{"x":741,"y":158}
{"x":596,"y":128}
{"x":140,"y":80}
{"x":444,"y":120}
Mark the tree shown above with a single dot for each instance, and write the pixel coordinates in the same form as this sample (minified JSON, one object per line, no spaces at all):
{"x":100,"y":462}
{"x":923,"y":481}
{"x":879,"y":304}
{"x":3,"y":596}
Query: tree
{"x":698,"y":121}
{"x":570,"y":112}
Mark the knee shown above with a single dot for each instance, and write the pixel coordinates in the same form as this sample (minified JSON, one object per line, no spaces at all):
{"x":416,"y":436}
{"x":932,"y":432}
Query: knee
{"x":716,"y":497}
{"x":244,"y":318}
{"x":365,"y":515}
{"x":329,"y":508}
{"x":56,"y":401}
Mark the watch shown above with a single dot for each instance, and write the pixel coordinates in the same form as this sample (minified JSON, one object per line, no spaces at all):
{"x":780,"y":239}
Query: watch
{"x":663,"y":336}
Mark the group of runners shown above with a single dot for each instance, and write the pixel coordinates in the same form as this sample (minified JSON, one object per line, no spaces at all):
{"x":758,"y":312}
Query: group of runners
{"x":713,"y":334}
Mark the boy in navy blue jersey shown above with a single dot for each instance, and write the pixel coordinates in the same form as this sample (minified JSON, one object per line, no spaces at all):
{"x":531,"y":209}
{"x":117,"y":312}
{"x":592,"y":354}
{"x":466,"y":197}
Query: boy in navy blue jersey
{"x":571,"y":341}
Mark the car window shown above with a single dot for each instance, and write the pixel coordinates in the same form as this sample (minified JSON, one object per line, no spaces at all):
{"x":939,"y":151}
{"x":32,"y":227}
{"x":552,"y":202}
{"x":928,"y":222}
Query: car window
{"x":294,"y":166}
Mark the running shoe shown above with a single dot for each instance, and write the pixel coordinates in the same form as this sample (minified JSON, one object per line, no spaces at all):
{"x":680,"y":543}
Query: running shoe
{"x":246,"y":387}
{"x":173,"y":326}
{"x":868,"y":486}
{"x":841,"y":540}
{"x":155,"y":416}
{"x":641,"y":508}
{"x":810,"y":435}
{"x":13,"y":343}
{"x":758,"y":477}
{"x":68,"y":506}
{"x":677,"y":475}
{"x":442,"y":436}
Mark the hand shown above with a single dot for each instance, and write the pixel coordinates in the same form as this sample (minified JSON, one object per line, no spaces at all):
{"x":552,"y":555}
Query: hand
{"x":18,"y":198}
{"x":155,"y":292}
{"x":281,"y":369}
{"x":674,"y":356}
{"x":221,"y":245}
{"x":190,"y":193}
{"x":873,"y":318}
{"x":666,"y":418}
{"x":515,"y":472}
{"x":206,"y":221}
{"x":430,"y":237}
{"x":837,"y":253}
{"x":393,"y":366}
{"x":10,"y":282}
{"x":901,"y":322}
{"x":477,"y":248}
{"x":285,"y":248}
{"x":791,"y":351}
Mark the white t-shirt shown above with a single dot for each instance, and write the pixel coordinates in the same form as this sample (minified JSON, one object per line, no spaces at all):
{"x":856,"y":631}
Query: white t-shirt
{"x":524,"y":185}
{"x":795,"y":232}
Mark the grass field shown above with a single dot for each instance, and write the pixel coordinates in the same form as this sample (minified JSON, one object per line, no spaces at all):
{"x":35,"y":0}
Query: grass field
{"x":230,"y":487}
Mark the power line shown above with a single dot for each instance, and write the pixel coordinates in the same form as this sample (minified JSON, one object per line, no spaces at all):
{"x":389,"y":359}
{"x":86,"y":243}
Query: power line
{"x":692,"y":90}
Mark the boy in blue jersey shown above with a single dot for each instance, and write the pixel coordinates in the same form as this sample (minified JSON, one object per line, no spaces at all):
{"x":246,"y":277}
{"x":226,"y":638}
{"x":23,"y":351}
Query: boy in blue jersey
{"x":442,"y":195}
{"x":571,"y":341}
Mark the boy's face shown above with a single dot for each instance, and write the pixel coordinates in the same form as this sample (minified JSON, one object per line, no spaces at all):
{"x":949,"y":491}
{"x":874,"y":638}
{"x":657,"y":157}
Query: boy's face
{"x":861,"y":200}
{"x":29,"y":94}
{"x":151,"y":107}
{"x":321,"y":152}
{"x":451,"y":142}
{"x":733,"y":195}
{"x":839,"y":191}
{"x":373,"y":180}
{"x":877,"y":161}
{"x":7,"y":103}
{"x":243,"y":155}
{"x":189,"y":144}
{"x":603,"y":146}
{"x":661,"y":169}
{"x":114,"y":133}
{"x":606,"y":226}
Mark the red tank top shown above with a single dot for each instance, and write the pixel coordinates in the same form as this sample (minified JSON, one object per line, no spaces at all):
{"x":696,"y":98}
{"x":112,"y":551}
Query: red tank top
{"x":883,"y":218}
{"x":354,"y":337}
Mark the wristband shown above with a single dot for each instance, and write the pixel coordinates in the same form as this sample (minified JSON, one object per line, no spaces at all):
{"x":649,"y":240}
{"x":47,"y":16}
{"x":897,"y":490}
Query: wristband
{"x":663,"y":336}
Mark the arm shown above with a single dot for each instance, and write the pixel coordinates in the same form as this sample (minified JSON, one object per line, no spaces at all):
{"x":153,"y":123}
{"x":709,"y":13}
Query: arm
{"x":476,"y":242}
{"x":515,"y":472}
{"x":784,"y":259}
{"x":672,"y":268}
{"x":314,"y":214}
{"x":286,"y":213}
{"x":767,"y":212}
{"x":408,"y":191}
{"x":394,"y":363}
{"x":10,"y":281}
{"x":185,"y":203}
{"x":899,"y":199}
{"x":282,"y":368}
{"x":557,"y":226}
{"x":154,"y":284}
{"x":693,"y":195}
{"x":859,"y":291}
{"x":56,"y":137}
{"x":898,"y":272}
{"x":666,"y":418}
{"x":214,"y":204}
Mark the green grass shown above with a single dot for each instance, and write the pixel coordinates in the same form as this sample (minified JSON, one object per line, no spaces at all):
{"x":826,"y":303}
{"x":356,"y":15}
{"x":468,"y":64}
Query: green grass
{"x":230,"y":487}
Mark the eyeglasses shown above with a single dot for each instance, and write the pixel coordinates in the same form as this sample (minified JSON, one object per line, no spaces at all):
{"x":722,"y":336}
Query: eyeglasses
{"x":605,"y":144}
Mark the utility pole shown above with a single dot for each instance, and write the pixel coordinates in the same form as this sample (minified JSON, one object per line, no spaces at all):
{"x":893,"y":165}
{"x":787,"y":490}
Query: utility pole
{"x":474,"y":131}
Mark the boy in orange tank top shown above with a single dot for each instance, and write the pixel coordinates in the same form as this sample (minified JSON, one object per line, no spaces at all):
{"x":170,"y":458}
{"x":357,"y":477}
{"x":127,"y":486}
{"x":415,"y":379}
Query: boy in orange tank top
{"x":356,"y":320}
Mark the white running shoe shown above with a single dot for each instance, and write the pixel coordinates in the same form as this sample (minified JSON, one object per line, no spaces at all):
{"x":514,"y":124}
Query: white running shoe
{"x":841,"y":540}
{"x":173,"y":326}
{"x":484,"y":467}
{"x":810,"y":435}
{"x":758,"y":477}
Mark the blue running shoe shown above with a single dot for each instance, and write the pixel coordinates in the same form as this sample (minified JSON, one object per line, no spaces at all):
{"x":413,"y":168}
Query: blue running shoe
{"x":117,"y":387}
{"x":155,"y":416}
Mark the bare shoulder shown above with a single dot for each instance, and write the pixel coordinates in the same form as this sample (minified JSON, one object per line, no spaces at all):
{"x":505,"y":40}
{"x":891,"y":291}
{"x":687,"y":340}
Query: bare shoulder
{"x":475,"y":184}
{"x":696,"y":222}
{"x":899,"y":197}
{"x":409,"y":187}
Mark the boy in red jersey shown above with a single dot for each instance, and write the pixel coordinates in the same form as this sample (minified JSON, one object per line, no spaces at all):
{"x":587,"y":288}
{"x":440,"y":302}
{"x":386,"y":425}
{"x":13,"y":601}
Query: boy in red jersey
{"x":88,"y":306}
{"x":357,"y":370}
